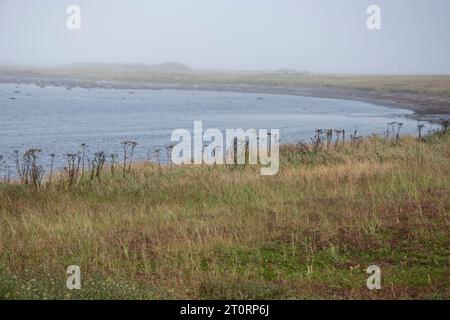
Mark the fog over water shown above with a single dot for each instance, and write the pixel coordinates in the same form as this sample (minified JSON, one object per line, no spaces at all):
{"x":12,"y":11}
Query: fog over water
{"x":315,"y":35}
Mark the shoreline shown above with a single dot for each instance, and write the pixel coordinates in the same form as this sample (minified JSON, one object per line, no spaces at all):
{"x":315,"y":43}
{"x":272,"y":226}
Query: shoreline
{"x":425,"y":108}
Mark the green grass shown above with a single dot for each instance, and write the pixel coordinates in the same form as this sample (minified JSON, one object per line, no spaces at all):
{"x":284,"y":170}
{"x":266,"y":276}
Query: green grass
{"x":216,"y":233}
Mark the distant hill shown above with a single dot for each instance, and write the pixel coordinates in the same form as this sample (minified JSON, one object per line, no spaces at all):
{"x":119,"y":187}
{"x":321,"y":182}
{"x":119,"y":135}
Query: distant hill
{"x":172,"y":66}
{"x":164,"y":67}
{"x":292,"y":71}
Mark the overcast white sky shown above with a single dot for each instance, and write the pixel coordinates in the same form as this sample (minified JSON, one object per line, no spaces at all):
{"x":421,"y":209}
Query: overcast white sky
{"x":314,"y":35}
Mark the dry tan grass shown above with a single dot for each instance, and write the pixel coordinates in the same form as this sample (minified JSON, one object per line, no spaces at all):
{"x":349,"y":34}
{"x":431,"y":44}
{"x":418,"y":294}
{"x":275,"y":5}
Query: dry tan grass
{"x":201,"y":232}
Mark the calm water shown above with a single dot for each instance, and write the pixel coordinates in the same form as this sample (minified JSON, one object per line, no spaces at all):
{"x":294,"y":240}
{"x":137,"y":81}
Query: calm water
{"x":58,"y":120}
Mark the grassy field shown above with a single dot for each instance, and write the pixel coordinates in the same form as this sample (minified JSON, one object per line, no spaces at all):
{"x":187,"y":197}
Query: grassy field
{"x":436,"y":86}
{"x":423,"y":85}
{"x":219,"y":232}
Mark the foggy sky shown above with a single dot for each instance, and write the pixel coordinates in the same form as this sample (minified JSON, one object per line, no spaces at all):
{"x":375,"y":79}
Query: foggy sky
{"x":316,"y":35}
